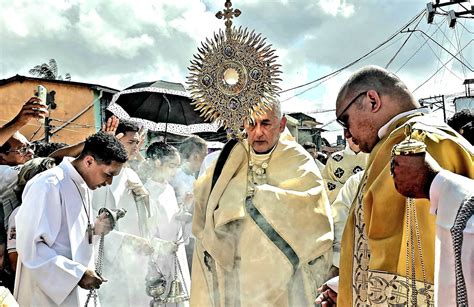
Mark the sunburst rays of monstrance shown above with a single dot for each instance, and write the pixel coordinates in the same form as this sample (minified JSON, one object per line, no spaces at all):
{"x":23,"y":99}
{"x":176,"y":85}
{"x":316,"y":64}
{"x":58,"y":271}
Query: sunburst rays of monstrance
{"x":234,"y":75}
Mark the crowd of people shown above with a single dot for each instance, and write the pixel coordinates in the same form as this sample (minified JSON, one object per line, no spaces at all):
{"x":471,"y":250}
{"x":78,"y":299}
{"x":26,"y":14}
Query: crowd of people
{"x":263,"y":221}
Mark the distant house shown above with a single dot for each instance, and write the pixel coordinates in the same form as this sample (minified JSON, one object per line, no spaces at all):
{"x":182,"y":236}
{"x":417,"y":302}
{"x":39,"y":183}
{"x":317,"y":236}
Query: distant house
{"x":78,"y":112}
{"x":465,"y":102}
{"x":304,"y":128}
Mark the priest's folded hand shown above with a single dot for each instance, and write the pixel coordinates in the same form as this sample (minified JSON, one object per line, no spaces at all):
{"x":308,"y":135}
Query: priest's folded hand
{"x":90,"y":280}
{"x":103,"y":224}
{"x":163,"y":247}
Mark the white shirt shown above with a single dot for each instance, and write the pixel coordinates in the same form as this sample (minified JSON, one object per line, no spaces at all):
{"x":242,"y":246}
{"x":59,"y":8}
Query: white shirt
{"x":447,"y":192}
{"x":164,"y":209}
{"x":121,"y":257}
{"x":52,"y":245}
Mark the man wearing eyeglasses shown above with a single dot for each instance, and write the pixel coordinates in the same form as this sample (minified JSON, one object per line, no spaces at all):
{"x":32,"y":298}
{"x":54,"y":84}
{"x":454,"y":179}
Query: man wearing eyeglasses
{"x":13,"y":154}
{"x":376,"y":107}
{"x":17,"y":150}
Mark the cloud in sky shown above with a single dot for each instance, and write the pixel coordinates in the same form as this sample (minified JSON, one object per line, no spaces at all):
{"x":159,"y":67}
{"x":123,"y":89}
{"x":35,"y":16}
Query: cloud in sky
{"x":122,"y":42}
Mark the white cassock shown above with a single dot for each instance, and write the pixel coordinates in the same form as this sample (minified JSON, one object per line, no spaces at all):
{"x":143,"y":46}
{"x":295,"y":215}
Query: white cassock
{"x":447,"y":193}
{"x":53,"y":248}
{"x":124,"y":267}
{"x":166,"y":227}
{"x":340,"y":211}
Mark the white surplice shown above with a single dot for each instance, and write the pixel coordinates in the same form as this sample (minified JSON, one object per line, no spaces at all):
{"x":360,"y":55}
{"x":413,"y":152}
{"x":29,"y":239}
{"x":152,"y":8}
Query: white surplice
{"x":53,"y":248}
{"x":164,"y":208}
{"x":124,"y":267}
{"x":447,"y":193}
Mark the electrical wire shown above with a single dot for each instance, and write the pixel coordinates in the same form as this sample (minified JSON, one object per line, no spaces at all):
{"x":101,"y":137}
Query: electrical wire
{"x":419,"y":86}
{"x":326,"y":79}
{"x":359,"y":59}
{"x":404,"y":43}
{"x":36,"y":131}
{"x":458,"y":43}
{"x":462,"y":25}
{"x":454,"y":56}
{"x":417,"y":50}
{"x":441,"y":62}
{"x":456,"y":47}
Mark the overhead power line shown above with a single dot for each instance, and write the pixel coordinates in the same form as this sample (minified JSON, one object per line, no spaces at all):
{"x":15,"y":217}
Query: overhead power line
{"x":441,"y":46}
{"x":359,"y":59}
{"x":424,"y":82}
{"x":404,"y":43}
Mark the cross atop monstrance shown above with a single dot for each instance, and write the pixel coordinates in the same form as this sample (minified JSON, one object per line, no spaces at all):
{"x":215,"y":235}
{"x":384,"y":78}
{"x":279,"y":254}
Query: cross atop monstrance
{"x":234,"y":76}
{"x":228,"y":13}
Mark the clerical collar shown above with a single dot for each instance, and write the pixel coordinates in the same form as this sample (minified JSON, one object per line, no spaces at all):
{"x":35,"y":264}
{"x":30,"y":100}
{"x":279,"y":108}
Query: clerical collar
{"x":384,"y":129}
{"x":256,"y":157}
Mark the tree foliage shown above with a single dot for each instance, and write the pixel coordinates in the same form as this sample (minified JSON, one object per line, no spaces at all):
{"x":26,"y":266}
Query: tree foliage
{"x":49,"y":71}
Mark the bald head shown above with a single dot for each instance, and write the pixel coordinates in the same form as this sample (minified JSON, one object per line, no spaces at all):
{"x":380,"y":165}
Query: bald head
{"x":368,"y":100}
{"x":380,"y":80}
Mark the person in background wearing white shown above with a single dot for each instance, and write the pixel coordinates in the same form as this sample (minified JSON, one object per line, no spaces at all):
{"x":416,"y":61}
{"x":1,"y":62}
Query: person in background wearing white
{"x":166,"y":220}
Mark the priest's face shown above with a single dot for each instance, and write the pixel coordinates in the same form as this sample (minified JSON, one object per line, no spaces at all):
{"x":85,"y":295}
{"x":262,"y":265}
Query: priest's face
{"x":265,"y":131}
{"x":99,"y":174}
{"x":356,"y":116}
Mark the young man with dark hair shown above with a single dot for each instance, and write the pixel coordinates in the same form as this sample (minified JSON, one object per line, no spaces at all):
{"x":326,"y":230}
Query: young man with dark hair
{"x":56,"y":226}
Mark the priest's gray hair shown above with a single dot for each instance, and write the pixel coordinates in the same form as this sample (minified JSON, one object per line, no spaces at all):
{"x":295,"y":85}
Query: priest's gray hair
{"x":276,"y":108}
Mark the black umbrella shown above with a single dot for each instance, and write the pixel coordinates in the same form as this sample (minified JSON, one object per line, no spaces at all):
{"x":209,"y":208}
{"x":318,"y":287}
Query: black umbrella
{"x":160,"y":106}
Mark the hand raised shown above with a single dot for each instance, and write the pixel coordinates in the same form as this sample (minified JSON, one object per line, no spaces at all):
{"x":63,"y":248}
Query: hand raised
{"x":33,"y":108}
{"x":111,"y":125}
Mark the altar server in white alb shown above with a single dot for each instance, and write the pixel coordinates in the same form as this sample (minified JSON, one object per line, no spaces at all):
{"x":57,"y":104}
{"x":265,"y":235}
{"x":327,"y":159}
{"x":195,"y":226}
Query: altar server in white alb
{"x":56,"y":228}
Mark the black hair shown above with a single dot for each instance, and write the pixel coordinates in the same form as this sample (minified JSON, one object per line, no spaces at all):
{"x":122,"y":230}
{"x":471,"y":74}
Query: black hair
{"x":191,"y":145}
{"x":308,"y":145}
{"x":161,"y":151}
{"x":105,"y":148}
{"x":5,"y":147}
{"x":468,"y":132}
{"x":126,"y":126}
{"x":43,"y":149}
{"x":460,"y":119}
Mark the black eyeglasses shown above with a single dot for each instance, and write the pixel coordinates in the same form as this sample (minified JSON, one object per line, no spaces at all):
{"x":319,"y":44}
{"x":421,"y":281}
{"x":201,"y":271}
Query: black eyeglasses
{"x":338,"y":119}
{"x":23,"y":150}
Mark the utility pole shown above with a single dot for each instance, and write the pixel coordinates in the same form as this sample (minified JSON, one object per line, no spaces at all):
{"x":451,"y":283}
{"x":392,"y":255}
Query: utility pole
{"x":435,"y":103}
{"x":47,"y":121}
{"x":451,"y":15}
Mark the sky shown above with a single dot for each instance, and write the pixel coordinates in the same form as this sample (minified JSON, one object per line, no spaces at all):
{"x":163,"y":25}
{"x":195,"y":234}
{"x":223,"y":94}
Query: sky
{"x":118,"y":43}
